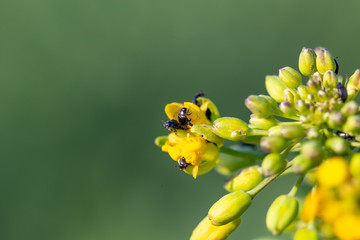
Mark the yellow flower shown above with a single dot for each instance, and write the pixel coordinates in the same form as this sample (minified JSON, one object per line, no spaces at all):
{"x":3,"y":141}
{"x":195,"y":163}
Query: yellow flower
{"x":347,"y":227}
{"x":194,"y":113}
{"x":311,"y":206}
{"x":200,"y":154}
{"x":333,"y":172}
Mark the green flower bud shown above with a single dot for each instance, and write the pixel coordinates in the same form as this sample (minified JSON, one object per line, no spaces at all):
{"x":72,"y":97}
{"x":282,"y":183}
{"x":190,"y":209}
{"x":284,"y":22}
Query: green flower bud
{"x":258,"y":105}
{"x":273,"y":163}
{"x":290,"y":77}
{"x":281,"y":213}
{"x":305,"y":234}
{"x":301,"y":106}
{"x":286,"y":108}
{"x":353,"y":85}
{"x":307,"y":62}
{"x":330,"y":79}
{"x":303,"y":92}
{"x":275,"y":87}
{"x":352,"y":124}
{"x":207,"y":231}
{"x":247,"y":179}
{"x":275,"y":130}
{"x":338,"y":145}
{"x":350,"y":108}
{"x":230,"y":128}
{"x":355,"y":165}
{"x":272,"y":102}
{"x":205,"y":132}
{"x":335,"y":120}
{"x":322,"y":95}
{"x":313,"y":87}
{"x":273,"y":143}
{"x":229,"y":207}
{"x":324,"y":61}
{"x":292,"y":131}
{"x":312,"y":132}
{"x":262,"y":123}
{"x":206,"y":105}
{"x":160,"y":141}
{"x":312,"y":150}
{"x":302,"y":164}
{"x":291,"y":95}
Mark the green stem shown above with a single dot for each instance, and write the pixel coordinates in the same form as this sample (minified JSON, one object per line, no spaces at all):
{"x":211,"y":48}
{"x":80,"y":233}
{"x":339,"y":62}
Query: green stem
{"x":355,"y":144}
{"x":295,"y":188}
{"x":281,"y":114}
{"x":250,"y":156}
{"x":253,"y":192}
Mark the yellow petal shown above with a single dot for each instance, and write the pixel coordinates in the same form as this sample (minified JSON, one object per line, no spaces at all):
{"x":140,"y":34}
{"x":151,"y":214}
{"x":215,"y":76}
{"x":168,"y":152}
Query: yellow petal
{"x":172,"y":110}
{"x":333,"y":172}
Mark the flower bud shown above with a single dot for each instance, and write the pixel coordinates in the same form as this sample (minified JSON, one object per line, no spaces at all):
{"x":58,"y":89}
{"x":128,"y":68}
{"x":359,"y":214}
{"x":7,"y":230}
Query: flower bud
{"x":262,"y":123}
{"x":273,"y":144}
{"x":352,"y":124}
{"x":273,"y":163}
{"x":302,"y":164}
{"x":330,"y":79}
{"x":258,"y":105}
{"x":350,"y":108}
{"x":272,"y":102}
{"x":324,"y":61}
{"x":335,"y":120}
{"x":312,"y":150}
{"x":207,"y":231}
{"x":281,"y":213}
{"x":313,"y":87}
{"x":229,"y":207}
{"x":161,"y":140}
{"x":286,"y":108}
{"x":301,"y":106}
{"x":353,"y":85}
{"x":290,"y":77}
{"x":338,"y":145}
{"x":303,"y":92}
{"x":312,"y":132}
{"x":305,"y":234}
{"x":355,"y":165}
{"x":292,"y":131}
{"x":275,"y":87}
{"x":209,"y":108}
{"x":205,"y":132}
{"x":230,"y":128}
{"x":307,"y":62}
{"x":247,"y":179}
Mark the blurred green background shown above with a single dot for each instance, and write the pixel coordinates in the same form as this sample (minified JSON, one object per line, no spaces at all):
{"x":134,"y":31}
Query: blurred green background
{"x":83,"y":85}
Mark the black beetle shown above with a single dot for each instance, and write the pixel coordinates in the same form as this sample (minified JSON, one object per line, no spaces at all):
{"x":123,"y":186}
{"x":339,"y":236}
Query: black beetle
{"x":173,"y":125}
{"x":342,"y":91}
{"x":183,"y":164}
{"x":183,"y":120}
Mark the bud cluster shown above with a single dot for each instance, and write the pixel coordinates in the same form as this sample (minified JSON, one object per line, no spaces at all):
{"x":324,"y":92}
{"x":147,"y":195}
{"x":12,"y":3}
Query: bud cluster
{"x":308,"y":124}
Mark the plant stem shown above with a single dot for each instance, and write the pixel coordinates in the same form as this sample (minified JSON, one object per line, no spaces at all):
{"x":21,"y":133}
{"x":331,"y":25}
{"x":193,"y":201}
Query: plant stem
{"x":295,"y":188}
{"x":250,"y":156}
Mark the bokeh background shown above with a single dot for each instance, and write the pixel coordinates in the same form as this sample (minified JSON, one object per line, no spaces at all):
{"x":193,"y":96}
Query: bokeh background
{"x":83,"y":85}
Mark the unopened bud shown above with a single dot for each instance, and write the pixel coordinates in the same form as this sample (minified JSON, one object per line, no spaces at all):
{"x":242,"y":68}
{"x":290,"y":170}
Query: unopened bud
{"x":273,"y":143}
{"x":330,"y":79}
{"x":275,"y":87}
{"x":301,"y":106}
{"x":205,"y":132}
{"x":305,"y":234}
{"x":353,"y":85}
{"x":355,"y":165}
{"x":312,"y":150}
{"x":290,"y":77}
{"x":258,"y":105}
{"x":313,"y":87}
{"x":324,"y":61}
{"x":350,"y":108}
{"x":262,"y":123}
{"x":207,"y":231}
{"x":292,"y":131}
{"x":303,"y":92}
{"x":246,"y":180}
{"x":230,"y":128}
{"x":338,"y":145}
{"x":352,"y":124}
{"x":312,"y":132}
{"x":286,"y":108}
{"x":161,"y":140}
{"x":302,"y":164}
{"x":273,"y":163}
{"x":335,"y":120}
{"x":208,"y":107}
{"x":272,"y":102}
{"x":229,"y":207}
{"x":307,"y":62}
{"x":281,"y":213}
